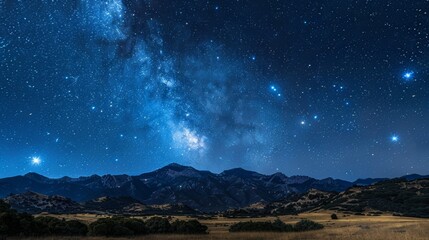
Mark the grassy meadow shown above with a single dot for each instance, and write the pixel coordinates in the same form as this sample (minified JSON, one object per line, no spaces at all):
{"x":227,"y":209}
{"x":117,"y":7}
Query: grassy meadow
{"x":348,"y":227}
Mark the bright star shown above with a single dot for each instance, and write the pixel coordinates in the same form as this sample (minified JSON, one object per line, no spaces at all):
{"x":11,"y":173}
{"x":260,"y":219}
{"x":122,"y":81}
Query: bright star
{"x":36,"y":161}
{"x":274,"y":90}
{"x":394,"y":138}
{"x":408,"y":75}
{"x":315,"y":117}
{"x":302,"y":122}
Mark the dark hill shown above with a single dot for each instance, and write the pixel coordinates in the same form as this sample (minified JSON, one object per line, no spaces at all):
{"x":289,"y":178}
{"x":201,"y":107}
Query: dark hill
{"x":176,"y":184}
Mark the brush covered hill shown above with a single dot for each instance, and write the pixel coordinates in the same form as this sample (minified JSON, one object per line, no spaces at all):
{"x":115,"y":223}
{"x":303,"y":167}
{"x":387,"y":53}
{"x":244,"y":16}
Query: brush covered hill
{"x":294,"y":204}
{"x":398,"y":196}
{"x":32,"y":202}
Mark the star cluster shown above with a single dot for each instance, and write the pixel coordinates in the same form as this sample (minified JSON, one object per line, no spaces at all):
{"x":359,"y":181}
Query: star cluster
{"x":126,"y":86}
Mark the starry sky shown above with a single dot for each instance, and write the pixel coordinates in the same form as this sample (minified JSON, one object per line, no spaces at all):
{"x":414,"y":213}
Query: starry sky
{"x":333,"y":88}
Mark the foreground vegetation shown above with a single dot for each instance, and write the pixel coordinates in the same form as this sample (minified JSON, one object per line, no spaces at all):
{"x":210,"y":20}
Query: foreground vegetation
{"x":276,"y":226}
{"x":120,"y":226}
{"x":346,"y":226}
{"x":13,"y":223}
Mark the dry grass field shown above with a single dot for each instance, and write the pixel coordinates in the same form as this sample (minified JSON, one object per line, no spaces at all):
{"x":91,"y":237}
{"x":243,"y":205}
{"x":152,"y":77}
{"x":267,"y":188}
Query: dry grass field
{"x":348,"y":227}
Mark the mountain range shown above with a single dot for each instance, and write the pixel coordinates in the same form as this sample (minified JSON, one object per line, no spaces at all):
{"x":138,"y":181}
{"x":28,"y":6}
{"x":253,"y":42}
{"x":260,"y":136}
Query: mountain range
{"x":176,"y":185}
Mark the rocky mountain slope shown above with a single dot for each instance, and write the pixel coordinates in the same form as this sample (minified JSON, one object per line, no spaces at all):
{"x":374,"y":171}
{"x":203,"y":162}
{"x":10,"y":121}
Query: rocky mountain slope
{"x":175,"y":184}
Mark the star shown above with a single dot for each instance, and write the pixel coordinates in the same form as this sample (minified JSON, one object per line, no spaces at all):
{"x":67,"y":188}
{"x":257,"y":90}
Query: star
{"x":36,"y":161}
{"x":408,"y":75}
{"x":394,"y":138}
{"x":275,"y":91}
{"x":302,"y":122}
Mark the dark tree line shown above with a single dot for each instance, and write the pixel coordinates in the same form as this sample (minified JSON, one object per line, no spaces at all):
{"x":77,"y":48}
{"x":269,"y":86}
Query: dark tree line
{"x":276,"y":226}
{"x":120,"y":226}
{"x":13,"y":223}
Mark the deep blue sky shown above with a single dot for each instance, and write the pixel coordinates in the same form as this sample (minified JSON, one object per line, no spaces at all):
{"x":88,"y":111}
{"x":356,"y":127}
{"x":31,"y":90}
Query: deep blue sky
{"x":322,"y":88}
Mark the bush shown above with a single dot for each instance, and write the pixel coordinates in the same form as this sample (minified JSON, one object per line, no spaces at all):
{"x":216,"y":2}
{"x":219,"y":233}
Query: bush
{"x":136,"y":225}
{"x":307,"y":225}
{"x":188,"y":227}
{"x":281,"y":226}
{"x":102,"y":227}
{"x":59,"y":227}
{"x":116,"y":227}
{"x":121,"y":226}
{"x":334,"y":216}
{"x":18,"y":224}
{"x":76,"y":228}
{"x":276,"y":226}
{"x":158,"y":225}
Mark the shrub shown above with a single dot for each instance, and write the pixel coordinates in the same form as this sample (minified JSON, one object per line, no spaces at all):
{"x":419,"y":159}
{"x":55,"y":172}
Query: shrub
{"x":188,"y":227}
{"x":158,"y":225}
{"x":59,"y":227}
{"x":283,"y":227}
{"x":102,"y":227}
{"x":30,"y":227}
{"x":136,"y":225}
{"x":121,"y":226}
{"x":116,"y":227}
{"x":307,"y":225}
{"x":76,"y":228}
{"x":276,"y":226}
{"x":4,"y":207}
{"x":334,"y":216}
{"x":9,"y":223}
{"x":22,"y":224}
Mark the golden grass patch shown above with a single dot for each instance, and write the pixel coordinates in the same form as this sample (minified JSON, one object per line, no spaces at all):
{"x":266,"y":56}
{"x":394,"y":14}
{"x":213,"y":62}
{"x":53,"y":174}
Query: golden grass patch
{"x":348,"y":227}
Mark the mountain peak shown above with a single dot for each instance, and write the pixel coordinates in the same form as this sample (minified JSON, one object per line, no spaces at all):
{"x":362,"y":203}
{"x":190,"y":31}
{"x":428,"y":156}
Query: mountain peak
{"x":239,"y":172}
{"x":175,"y":167}
{"x":414,"y":176}
{"x":35,"y":176}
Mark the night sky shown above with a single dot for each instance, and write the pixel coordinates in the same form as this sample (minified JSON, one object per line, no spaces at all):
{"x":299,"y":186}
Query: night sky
{"x":333,"y":88}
